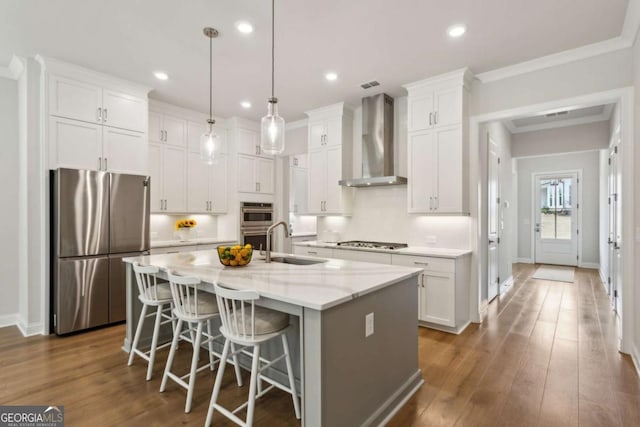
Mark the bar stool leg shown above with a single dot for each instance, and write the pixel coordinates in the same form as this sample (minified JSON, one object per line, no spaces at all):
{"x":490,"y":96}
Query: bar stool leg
{"x":154,"y":342}
{"x":292,"y":380}
{"x":237,"y":365}
{"x":172,"y":353}
{"x":194,"y":366}
{"x":136,"y":338}
{"x":218,"y":383}
{"x":253,"y":384}
{"x":212,"y":358}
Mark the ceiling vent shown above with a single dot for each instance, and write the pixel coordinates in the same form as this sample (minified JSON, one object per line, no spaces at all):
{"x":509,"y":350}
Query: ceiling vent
{"x":367,"y":85}
{"x":559,"y":113}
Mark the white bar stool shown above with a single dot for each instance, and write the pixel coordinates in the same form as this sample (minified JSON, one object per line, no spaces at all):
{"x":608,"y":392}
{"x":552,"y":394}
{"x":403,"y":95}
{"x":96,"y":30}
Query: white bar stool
{"x":249,"y":326}
{"x":195,"y":308}
{"x":151,"y":294}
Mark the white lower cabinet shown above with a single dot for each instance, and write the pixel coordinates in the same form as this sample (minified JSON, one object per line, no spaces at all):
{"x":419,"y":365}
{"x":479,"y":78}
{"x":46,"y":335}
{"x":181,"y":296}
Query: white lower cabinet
{"x":443,"y":291}
{"x":313,"y":251}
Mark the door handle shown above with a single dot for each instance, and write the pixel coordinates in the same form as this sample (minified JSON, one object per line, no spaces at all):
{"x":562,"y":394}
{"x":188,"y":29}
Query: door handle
{"x":491,"y":241}
{"x":616,"y":247}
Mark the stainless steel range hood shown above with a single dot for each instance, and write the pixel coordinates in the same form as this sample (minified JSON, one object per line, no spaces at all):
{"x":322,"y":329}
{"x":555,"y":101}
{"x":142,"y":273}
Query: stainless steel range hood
{"x":377,"y":144}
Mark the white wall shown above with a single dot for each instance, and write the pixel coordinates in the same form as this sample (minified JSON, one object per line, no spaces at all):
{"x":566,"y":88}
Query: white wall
{"x":636,"y":83}
{"x":9,"y":214}
{"x":596,"y":74}
{"x":604,"y":213}
{"x":590,"y":136}
{"x":589,"y":163}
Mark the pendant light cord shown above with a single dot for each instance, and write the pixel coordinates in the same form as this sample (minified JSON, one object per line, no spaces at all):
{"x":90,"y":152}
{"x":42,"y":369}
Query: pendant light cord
{"x":210,"y":79}
{"x":273,"y":30}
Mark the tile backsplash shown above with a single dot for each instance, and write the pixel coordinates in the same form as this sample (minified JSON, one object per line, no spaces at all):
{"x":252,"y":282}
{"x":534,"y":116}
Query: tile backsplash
{"x":162,"y":226}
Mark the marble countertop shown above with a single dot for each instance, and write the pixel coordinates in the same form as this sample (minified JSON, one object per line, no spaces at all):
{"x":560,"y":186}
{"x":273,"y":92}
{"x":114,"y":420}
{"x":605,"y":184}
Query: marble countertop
{"x":304,"y":234}
{"x":316,"y":286}
{"x":198,"y":241}
{"x":411,"y":250}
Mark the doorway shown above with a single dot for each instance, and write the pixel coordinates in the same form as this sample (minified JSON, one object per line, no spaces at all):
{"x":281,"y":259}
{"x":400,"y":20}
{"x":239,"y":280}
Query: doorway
{"x":493,"y":216}
{"x":556,"y":208}
{"x":615,"y":225}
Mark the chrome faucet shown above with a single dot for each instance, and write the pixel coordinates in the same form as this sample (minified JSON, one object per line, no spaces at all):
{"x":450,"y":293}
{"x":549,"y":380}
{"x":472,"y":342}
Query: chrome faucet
{"x":267,"y":254}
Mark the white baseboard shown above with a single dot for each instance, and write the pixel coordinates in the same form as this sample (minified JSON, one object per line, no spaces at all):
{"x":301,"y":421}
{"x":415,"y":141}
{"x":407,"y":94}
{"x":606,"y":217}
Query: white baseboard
{"x":604,"y":281}
{"x":8,"y":320}
{"x":635,"y":356}
{"x":506,"y":286}
{"x":525,"y":260}
{"x":594,"y":265}
{"x":30,"y":329}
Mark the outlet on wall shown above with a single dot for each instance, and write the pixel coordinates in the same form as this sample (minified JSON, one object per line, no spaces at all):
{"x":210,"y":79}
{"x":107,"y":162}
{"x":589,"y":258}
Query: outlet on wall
{"x":368,"y":325}
{"x":432,"y":240}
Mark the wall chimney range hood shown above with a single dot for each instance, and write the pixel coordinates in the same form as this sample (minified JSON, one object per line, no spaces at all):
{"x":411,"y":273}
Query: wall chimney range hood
{"x":377,"y":144}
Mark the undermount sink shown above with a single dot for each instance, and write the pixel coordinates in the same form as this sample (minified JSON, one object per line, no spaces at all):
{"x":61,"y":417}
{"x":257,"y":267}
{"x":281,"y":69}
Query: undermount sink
{"x":296,"y":261}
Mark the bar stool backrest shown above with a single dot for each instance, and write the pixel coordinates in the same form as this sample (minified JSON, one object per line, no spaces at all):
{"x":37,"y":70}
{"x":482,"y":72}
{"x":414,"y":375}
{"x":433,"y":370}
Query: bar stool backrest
{"x":147,"y":281}
{"x":237,"y":311}
{"x":185,"y":295}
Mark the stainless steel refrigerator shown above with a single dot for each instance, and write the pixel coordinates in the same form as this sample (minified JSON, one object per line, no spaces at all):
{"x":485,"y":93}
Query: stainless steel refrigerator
{"x":97,"y":218}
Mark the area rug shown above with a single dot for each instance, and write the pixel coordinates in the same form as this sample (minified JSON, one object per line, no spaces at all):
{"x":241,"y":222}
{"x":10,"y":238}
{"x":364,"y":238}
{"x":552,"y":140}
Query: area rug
{"x":555,"y":272}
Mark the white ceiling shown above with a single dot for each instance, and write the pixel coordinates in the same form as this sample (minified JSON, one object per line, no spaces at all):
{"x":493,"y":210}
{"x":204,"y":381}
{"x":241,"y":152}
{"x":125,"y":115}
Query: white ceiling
{"x":570,"y":116}
{"x":394,"y":42}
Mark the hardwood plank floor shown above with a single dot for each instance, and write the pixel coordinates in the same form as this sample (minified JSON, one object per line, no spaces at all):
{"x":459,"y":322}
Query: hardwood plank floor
{"x":544,"y":355}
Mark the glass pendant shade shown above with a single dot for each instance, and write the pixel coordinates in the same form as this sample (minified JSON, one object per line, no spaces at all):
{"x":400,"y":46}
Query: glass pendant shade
{"x":272,"y":130}
{"x":209,"y":145}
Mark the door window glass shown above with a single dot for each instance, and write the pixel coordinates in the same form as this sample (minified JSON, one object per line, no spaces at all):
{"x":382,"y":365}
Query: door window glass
{"x":556,"y":208}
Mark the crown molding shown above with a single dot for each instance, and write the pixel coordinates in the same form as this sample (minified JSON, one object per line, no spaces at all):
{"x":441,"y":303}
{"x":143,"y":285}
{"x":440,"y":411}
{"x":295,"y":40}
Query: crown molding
{"x":463,"y":76}
{"x":14,"y":70}
{"x":555,"y":59}
{"x":631,"y":21}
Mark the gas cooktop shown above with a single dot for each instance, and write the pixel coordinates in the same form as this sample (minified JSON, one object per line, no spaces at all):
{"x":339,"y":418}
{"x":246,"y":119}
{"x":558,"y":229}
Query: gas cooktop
{"x":372,"y":245}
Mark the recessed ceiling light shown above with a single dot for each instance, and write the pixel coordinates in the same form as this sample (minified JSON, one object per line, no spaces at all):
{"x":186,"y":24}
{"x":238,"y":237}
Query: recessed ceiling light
{"x":331,"y":76}
{"x":456,"y":30}
{"x":161,"y":75}
{"x":245,"y":104}
{"x":244,"y":27}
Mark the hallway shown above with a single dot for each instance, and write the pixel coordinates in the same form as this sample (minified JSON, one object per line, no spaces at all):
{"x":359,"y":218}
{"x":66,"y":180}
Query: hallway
{"x":544,"y":355}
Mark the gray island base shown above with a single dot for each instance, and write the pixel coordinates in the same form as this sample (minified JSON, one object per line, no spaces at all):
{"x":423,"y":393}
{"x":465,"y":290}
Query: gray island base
{"x":346,"y":378}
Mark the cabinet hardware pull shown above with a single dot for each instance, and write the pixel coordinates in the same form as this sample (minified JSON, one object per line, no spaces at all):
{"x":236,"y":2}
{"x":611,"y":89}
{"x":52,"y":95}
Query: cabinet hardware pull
{"x":99,"y":114}
{"x":165,"y":135}
{"x":430,"y":118}
{"x":430,"y":203}
{"x":99,"y":163}
{"x":435,"y":118}
{"x":259,"y":187}
{"x":104,"y":120}
{"x":420,"y":263}
{"x":106,"y":164}
{"x":435,"y":202}
{"x":312,"y":252}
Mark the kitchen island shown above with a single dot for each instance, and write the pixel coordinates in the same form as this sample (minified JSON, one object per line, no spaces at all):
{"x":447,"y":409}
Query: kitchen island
{"x":346,"y":378}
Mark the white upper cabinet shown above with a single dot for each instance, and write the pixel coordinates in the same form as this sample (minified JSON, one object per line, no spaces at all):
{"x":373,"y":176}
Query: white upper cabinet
{"x":155,"y":172}
{"x":206,"y":185}
{"x":437,"y":147}
{"x":298,"y":181}
{"x":167,"y":129}
{"x":78,"y":100}
{"x":218,"y":187}
{"x":156,"y":130}
{"x":247,"y":142}
{"x":167,"y":169}
{"x":264,"y":174}
{"x":124,"y":111}
{"x":330,"y":159}
{"x":255,"y":174}
{"x":94,"y":121}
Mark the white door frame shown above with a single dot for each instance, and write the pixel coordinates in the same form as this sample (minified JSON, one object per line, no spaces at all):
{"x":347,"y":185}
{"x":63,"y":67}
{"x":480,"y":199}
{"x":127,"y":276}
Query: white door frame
{"x":624,"y":97}
{"x":534,"y":177}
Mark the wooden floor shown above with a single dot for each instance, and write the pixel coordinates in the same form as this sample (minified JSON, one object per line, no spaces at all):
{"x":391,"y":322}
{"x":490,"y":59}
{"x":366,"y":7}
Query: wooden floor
{"x":544,"y":355}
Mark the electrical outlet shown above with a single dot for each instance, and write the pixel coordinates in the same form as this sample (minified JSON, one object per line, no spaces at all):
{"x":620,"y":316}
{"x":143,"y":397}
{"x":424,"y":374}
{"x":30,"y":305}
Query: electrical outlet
{"x":432,"y":240}
{"x":368,"y":325}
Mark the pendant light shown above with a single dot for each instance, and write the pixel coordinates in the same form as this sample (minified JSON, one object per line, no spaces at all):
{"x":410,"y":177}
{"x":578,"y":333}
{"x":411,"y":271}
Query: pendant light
{"x":272,"y":125}
{"x":210,"y":141}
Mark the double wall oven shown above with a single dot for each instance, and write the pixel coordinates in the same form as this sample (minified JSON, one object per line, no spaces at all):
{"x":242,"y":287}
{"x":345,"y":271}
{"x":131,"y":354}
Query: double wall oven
{"x":255,"y":219}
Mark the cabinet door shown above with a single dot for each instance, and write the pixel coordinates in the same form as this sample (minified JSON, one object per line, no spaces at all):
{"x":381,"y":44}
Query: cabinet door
{"x":334,"y":131}
{"x":156,"y":129}
{"x":420,"y":112}
{"x":248,"y":142}
{"x":155,"y":173}
{"x":125,"y":151}
{"x":74,"y":99}
{"x":246,"y":174}
{"x":194,"y":131}
{"x":264,"y":174}
{"x":124,"y":111}
{"x":198,"y":183}
{"x":449,"y":170}
{"x":74,"y":144}
{"x":316,"y":135}
{"x":448,"y":107}
{"x":175,"y":131}
{"x":438,"y":298}
{"x":218,"y":186}
{"x":317,"y":188}
{"x":174,"y":178}
{"x":333,"y":200}
{"x":298,"y":190}
{"x":421,"y":152}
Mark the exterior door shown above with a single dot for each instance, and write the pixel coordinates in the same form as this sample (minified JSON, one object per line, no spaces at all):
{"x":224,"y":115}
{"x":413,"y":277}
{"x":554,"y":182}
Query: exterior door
{"x":556,"y":213}
{"x":493,"y":216}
